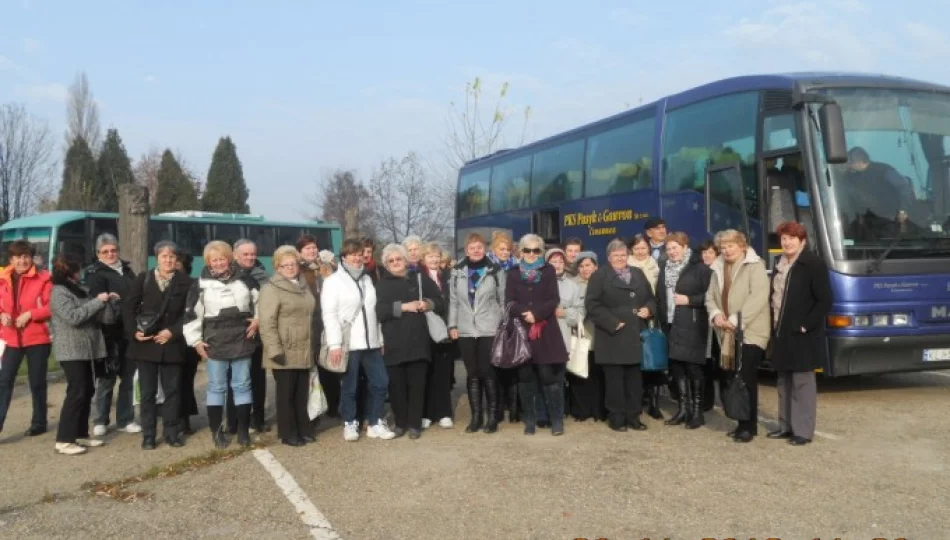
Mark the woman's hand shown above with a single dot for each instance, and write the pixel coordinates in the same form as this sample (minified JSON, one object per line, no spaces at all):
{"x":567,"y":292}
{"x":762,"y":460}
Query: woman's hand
{"x":114,"y":296}
{"x":681,"y":300}
{"x":163,"y":337}
{"x":6,"y":319}
{"x":620,"y":326}
{"x":139,"y":336}
{"x":644,"y":313}
{"x":335,"y":357}
{"x":103,"y":297}
{"x":202,"y":350}
{"x":410,"y":307}
{"x":560,"y":312}
{"x":454,"y":334}
{"x":528,"y":317}
{"x":23,"y":319}
{"x":252,"y":328}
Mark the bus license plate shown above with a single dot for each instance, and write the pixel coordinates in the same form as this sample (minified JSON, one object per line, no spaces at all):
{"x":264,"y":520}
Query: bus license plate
{"x":936,"y":355}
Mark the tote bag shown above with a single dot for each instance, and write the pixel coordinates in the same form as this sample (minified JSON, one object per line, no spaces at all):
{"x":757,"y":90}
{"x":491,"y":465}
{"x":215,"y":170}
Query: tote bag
{"x":317,"y":400}
{"x":437,"y":329}
{"x":580,"y":348}
{"x":735,"y":397}
{"x":656,"y":352}
{"x":510,"y":347}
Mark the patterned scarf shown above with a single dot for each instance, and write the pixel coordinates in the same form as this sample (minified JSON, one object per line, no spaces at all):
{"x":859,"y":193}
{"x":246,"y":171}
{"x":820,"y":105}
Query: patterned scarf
{"x":475,"y":276}
{"x":624,"y":274}
{"x":163,"y":282}
{"x":531,"y":272}
{"x":505,"y":265}
{"x":674,"y":268}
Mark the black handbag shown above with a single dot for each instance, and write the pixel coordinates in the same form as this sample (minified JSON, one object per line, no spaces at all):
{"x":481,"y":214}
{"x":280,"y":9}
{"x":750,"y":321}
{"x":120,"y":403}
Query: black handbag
{"x":148,"y":323}
{"x":735,"y":397}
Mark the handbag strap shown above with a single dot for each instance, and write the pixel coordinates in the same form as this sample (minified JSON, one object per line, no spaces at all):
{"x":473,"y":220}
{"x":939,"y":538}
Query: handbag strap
{"x":419,"y":278}
{"x":165,"y":294}
{"x":360,"y":306}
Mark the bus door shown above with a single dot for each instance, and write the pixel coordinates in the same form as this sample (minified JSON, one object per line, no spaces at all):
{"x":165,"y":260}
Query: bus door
{"x":547,"y":224}
{"x":787,"y":199}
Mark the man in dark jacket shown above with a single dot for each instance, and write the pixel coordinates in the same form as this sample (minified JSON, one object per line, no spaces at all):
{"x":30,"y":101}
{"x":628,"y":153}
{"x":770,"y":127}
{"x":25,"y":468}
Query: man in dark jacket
{"x":110,"y":274}
{"x":245,"y":254}
{"x":655,"y":229}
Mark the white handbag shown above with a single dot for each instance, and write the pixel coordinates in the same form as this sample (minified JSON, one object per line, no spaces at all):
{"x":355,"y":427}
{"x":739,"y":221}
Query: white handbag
{"x":580,"y":347}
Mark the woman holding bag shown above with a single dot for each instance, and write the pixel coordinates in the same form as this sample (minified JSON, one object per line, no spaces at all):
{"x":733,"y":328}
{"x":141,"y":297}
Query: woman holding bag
{"x":439,"y":381}
{"x":587,"y":396}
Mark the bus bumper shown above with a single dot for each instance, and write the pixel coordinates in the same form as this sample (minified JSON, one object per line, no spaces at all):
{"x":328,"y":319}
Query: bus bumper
{"x":849,"y":355}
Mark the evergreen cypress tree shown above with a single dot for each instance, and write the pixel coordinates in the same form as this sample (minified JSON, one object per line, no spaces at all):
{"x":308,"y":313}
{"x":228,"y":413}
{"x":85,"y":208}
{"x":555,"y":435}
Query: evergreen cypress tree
{"x":175,"y":191}
{"x":79,"y":178}
{"x":113,"y":170}
{"x":225,"y":190}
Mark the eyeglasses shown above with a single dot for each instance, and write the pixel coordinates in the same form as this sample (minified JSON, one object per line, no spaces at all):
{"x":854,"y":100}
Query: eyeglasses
{"x":394,"y":259}
{"x":535,"y":251}
{"x":108,"y":251}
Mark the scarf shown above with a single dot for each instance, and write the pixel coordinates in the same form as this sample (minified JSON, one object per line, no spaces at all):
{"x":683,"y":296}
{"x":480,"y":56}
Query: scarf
{"x":505,"y":265}
{"x":656,"y":250}
{"x":475,"y":276}
{"x":624,"y":274}
{"x":163,"y":282}
{"x":117,"y":267}
{"x":434,"y":274}
{"x":727,"y":343}
{"x":674,"y":269}
{"x":531,"y":272}
{"x":778,"y":288}
{"x":355,"y":272}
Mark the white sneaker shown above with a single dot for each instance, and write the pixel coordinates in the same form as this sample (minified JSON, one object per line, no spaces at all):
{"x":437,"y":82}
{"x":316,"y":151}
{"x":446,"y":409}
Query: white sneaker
{"x":426,"y":423}
{"x":381,"y":431}
{"x":100,"y":430}
{"x":446,"y":423}
{"x":69,"y":449}
{"x":131,"y":427}
{"x":90,"y":443}
{"x":351,"y":431}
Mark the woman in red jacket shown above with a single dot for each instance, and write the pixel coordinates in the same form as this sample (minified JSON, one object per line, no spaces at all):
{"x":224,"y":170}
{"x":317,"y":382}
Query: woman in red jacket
{"x":24,"y":311}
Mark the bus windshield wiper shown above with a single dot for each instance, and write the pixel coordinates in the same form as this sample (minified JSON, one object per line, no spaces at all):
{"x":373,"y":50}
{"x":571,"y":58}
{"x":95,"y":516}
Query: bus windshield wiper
{"x":875,"y":265}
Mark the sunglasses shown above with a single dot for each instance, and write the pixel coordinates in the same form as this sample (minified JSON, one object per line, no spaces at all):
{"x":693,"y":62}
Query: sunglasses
{"x":535,"y":251}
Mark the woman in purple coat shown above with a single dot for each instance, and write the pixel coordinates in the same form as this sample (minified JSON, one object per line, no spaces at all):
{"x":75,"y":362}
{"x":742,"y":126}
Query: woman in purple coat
{"x":533,"y":297}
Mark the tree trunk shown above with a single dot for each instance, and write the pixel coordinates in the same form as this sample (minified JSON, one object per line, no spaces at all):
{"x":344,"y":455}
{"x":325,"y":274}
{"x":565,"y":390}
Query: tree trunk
{"x":133,"y":225}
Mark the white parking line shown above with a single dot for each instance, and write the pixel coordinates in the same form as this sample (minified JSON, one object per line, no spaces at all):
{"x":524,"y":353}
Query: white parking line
{"x":320,"y":528}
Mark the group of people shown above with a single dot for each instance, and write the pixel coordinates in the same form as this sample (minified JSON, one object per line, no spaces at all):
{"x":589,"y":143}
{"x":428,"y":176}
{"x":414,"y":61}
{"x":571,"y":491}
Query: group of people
{"x":368,"y":330}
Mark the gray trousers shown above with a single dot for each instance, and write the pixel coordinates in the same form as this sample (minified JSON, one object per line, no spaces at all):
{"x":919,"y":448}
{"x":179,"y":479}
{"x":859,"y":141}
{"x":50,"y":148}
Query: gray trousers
{"x":797,"y":402}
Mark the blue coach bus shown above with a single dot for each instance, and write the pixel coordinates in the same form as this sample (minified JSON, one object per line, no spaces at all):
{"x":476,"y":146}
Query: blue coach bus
{"x":862,"y":161}
{"x":75,"y":232}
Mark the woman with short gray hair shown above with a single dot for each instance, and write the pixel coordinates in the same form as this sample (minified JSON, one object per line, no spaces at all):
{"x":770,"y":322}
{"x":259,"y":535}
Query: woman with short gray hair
{"x":619,"y":300}
{"x":413,"y":245}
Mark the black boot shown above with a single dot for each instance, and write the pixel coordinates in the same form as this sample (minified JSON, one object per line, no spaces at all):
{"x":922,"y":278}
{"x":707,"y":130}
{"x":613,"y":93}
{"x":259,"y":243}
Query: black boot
{"x":526,"y":392}
{"x":475,"y":403}
{"x":494,"y":409}
{"x":554,"y":395}
{"x":696,"y":418}
{"x":653,"y":407}
{"x":514,"y":412}
{"x":682,"y":399}
{"x":215,"y":416}
{"x":244,"y":425}
{"x":186,"y":426}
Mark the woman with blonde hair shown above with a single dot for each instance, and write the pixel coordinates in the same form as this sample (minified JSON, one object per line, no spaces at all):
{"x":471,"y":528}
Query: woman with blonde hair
{"x":502,"y":253}
{"x":439,"y":383}
{"x":739,"y":295}
{"x":641,"y":257}
{"x":502,"y":250}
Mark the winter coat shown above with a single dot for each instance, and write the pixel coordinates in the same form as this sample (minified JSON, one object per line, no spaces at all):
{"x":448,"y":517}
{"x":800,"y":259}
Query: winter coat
{"x":76,"y":325}
{"x":283,"y":306}
{"x":34,"y":289}
{"x":219,"y":312}
{"x":340,"y":303}
{"x":406,"y":333}
{"x":541,"y":299}
{"x":310,"y":274}
{"x":689,"y":333}
{"x":749,"y":293}
{"x":806,"y":303}
{"x":257,"y":272}
{"x":101,"y":278}
{"x":651,"y":269}
{"x":482,"y":319}
{"x":609,"y":302}
{"x":570,"y":294}
{"x":145,"y":297}
{"x":589,"y":329}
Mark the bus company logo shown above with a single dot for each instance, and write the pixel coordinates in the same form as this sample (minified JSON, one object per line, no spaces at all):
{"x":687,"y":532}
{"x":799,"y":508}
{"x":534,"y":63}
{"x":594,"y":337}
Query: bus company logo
{"x":600,"y":223}
{"x":940,"y":312}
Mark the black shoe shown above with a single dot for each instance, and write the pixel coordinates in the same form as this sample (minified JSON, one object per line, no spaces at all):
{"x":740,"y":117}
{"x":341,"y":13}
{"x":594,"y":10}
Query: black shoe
{"x":475,"y":403}
{"x":148,"y":443}
{"x":399,"y":432}
{"x":260,"y":426}
{"x":292,"y":442}
{"x":554,"y":397}
{"x":308,"y":439}
{"x":743,"y":436}
{"x":34,"y":431}
{"x":493,"y":405}
{"x":186,"y":426}
{"x":617,"y":427}
{"x":415,"y":433}
{"x":529,"y":430}
{"x":544,"y":424}
{"x":682,"y":402}
{"x":636,"y":425}
{"x":779,"y":434}
{"x":175,"y":441}
{"x":653,"y":406}
{"x":798,"y":441}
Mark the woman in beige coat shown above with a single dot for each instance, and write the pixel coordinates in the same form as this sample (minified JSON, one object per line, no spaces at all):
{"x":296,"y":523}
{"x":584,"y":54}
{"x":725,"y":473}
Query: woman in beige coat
{"x":740,"y":288}
{"x":286,"y":306}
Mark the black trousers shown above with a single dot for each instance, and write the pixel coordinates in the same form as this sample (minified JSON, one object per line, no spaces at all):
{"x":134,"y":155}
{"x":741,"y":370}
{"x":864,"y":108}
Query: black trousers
{"x":587,"y":395}
{"x":439,"y":382}
{"x":258,"y":391}
{"x":189,"y":369}
{"x":36,"y":358}
{"x":752,"y":357}
{"x":149,"y":373}
{"x":80,"y":387}
{"x":407,"y":392}
{"x":623,"y":392}
{"x":687,"y":370}
{"x":476,"y":355}
{"x":292,"y":389}
{"x":331,"y":388}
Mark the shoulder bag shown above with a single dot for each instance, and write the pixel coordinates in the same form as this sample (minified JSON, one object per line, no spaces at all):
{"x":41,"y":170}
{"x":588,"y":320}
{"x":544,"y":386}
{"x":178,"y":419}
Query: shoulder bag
{"x":437,"y":329}
{"x":656,"y":355}
{"x":148,"y":323}
{"x":580,"y":348}
{"x":345,"y":328}
{"x":735,"y":397}
{"x":510,"y":347}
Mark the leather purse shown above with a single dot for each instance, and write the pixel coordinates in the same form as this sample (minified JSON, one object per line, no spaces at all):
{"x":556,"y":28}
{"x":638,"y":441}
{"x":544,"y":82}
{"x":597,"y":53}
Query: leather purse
{"x":148,"y":323}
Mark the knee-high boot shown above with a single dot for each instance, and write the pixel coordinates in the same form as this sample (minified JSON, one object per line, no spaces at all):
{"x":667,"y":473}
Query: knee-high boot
{"x":514,"y":415}
{"x":554,"y":395}
{"x":696,"y":417}
{"x":682,"y":400}
{"x":493,"y":408}
{"x":475,"y":402}
{"x":653,"y":407}
{"x":215,"y":416}
{"x":526,"y":392}
{"x":244,"y":425}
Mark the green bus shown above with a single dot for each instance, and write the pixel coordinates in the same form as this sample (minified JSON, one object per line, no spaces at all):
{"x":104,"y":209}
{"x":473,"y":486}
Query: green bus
{"x":75,"y":232}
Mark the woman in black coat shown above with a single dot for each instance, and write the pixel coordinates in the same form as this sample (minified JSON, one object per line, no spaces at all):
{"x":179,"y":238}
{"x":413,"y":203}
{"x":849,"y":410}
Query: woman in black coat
{"x":619,"y":300}
{"x":533,"y":296}
{"x":681,"y":310}
{"x":801,"y":298}
{"x":162,"y":352}
{"x":438,"y":406}
{"x":400,"y":309}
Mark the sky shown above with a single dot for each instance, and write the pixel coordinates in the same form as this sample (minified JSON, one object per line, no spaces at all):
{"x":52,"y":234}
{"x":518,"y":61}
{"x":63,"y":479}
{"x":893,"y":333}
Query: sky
{"x":308,"y":87}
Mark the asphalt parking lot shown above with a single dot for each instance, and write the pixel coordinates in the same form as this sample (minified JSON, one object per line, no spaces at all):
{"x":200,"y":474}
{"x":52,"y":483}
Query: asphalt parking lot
{"x":879,"y":468}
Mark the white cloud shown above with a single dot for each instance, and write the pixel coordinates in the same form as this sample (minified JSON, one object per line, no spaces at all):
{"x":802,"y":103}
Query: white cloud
{"x":52,"y":91}
{"x":7,"y":65}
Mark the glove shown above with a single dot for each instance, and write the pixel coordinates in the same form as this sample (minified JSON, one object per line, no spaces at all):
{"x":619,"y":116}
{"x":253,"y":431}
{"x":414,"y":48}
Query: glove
{"x":280,"y":360}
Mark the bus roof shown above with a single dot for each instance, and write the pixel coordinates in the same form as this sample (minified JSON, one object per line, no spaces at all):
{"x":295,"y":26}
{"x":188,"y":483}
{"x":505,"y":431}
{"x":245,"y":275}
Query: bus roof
{"x":60,"y":217}
{"x":781,"y":81}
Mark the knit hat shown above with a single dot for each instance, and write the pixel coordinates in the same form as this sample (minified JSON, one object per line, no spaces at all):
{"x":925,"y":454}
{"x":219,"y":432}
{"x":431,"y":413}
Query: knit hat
{"x":555,"y":251}
{"x":586,"y":255}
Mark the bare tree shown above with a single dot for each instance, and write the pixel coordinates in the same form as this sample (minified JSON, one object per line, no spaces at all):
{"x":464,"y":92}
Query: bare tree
{"x":407,"y":201}
{"x":26,"y":161}
{"x":344,"y":199}
{"x":82,"y":114}
{"x":146,"y":171}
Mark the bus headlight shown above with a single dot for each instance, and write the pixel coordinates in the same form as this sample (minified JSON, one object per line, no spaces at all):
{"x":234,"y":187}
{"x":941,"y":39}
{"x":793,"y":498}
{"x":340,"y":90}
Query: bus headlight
{"x":900,"y":319}
{"x":862,"y":320}
{"x":879,"y":320}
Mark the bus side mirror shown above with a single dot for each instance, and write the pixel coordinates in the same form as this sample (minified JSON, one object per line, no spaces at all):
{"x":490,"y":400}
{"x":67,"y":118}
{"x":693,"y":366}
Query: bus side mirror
{"x":832,"y":133}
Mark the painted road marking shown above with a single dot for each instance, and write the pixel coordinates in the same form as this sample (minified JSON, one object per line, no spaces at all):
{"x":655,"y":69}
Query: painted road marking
{"x":320,"y":528}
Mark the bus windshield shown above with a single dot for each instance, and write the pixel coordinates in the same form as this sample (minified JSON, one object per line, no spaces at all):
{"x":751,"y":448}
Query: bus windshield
{"x":38,"y":236}
{"x":893,"y":195}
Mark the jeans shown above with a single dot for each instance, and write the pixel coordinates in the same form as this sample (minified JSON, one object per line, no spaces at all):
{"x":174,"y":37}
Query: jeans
{"x":371,"y":360}
{"x":37,"y":356}
{"x":124,"y":404}
{"x":240,"y":381}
